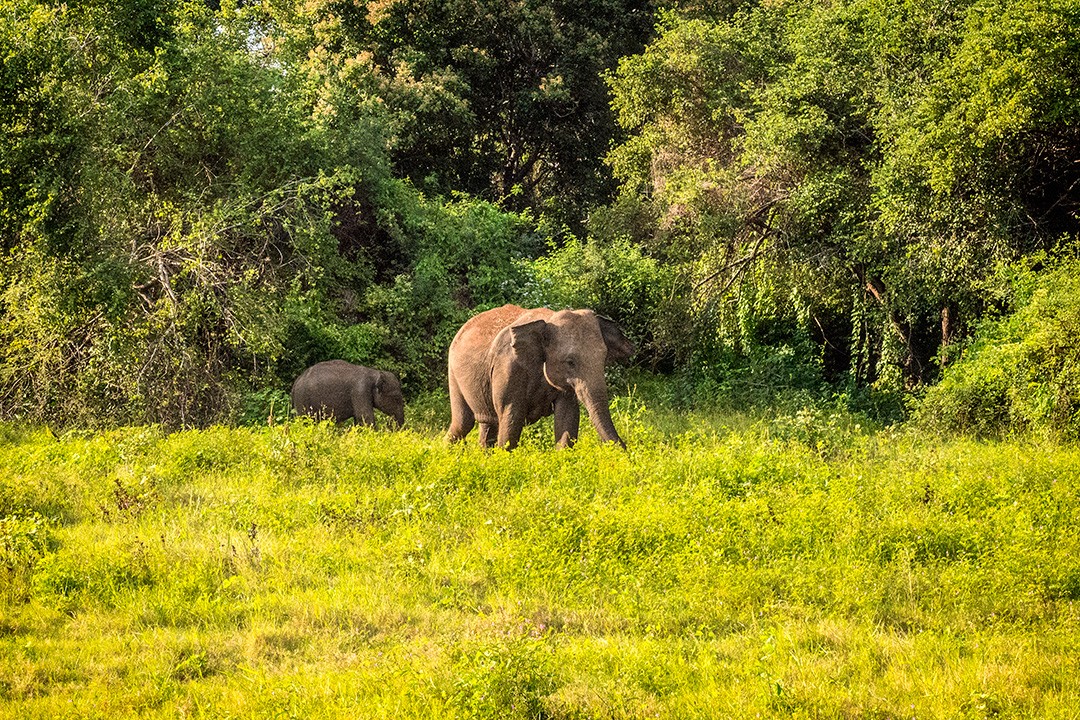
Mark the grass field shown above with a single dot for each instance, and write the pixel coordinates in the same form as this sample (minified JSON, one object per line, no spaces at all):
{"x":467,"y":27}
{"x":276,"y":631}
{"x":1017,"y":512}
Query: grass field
{"x":725,"y":566}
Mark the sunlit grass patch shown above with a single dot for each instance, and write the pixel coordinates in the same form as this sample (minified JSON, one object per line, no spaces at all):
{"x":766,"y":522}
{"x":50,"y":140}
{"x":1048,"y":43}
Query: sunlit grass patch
{"x":718,"y":568}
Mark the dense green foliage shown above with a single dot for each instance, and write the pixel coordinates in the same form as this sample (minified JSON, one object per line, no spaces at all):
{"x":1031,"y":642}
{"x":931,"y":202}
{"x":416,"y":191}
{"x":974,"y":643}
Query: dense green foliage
{"x":1023,"y":372}
{"x":723,"y":567}
{"x":198,"y":199}
{"x":852,"y":172}
{"x":189,"y":216}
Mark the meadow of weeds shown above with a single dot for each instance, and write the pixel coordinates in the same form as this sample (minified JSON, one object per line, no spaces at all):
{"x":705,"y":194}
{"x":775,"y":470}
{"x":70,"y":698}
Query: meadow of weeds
{"x":800,"y":566}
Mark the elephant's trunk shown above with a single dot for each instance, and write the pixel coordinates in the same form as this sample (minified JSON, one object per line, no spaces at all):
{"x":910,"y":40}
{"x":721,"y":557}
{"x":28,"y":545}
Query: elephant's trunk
{"x":595,"y":400}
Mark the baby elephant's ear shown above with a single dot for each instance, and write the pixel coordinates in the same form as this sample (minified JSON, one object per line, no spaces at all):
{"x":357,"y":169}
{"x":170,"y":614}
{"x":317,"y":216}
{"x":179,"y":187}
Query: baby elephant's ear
{"x":619,"y":348}
{"x":384,"y":381}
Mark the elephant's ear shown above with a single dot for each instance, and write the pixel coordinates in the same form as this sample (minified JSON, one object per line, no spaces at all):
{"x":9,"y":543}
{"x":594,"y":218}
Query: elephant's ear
{"x":528,"y":335}
{"x":619,"y":348}
{"x":384,"y":381}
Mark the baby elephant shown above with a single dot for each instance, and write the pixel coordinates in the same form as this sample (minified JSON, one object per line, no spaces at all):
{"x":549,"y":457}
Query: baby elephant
{"x":339,"y":390}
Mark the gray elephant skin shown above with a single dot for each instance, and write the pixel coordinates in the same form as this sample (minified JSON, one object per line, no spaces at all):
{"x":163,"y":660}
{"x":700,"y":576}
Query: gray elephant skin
{"x":510,"y":366}
{"x":340,"y":390}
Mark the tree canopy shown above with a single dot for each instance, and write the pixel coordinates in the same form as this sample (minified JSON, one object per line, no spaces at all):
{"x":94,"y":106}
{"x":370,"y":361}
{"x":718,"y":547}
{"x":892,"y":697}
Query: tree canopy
{"x":867,"y":165}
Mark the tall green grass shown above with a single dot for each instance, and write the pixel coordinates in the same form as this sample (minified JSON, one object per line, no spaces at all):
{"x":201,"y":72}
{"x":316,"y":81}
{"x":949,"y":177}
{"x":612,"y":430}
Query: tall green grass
{"x":724,"y":566}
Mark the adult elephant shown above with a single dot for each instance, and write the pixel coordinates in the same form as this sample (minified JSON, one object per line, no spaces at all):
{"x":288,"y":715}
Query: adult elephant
{"x":511,"y":366}
{"x":340,"y":390}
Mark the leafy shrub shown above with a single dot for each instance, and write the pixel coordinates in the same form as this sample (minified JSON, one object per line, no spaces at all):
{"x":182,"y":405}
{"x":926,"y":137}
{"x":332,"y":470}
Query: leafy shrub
{"x":827,"y":432}
{"x":1022,"y":373}
{"x":71,"y":579}
{"x":503,"y":680}
{"x":266,"y":407}
{"x":763,"y":376}
{"x":463,"y":255}
{"x":24,"y":539}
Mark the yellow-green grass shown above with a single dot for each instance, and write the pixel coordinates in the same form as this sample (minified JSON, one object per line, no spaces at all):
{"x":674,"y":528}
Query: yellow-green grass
{"x":722,"y":567}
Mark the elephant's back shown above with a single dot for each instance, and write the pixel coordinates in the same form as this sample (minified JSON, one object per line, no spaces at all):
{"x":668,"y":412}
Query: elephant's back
{"x":323,"y":383}
{"x":328,"y":371}
{"x":477,"y":334}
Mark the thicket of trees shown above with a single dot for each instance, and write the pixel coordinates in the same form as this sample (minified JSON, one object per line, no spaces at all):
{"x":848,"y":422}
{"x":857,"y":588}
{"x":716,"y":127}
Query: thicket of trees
{"x":197,"y":199}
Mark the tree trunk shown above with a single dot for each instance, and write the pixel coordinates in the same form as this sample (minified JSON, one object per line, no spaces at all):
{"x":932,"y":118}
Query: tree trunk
{"x":913,"y":368}
{"x":948,"y":329}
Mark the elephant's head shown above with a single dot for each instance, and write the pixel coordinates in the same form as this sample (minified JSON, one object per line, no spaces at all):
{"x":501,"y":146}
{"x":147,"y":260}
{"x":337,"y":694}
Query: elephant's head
{"x":386,"y":396}
{"x":576,"y":345}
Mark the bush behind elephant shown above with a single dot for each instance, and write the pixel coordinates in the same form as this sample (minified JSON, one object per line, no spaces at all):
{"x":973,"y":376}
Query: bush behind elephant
{"x":340,"y":390}
{"x":510,"y":366}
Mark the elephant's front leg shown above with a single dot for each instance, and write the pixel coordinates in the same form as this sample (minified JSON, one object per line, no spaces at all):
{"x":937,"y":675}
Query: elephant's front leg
{"x":567,"y":420}
{"x":511,"y":423}
{"x":364,"y":414}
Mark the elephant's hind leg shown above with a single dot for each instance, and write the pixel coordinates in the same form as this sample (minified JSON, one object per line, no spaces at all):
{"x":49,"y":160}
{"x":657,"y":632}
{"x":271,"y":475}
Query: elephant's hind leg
{"x":488,"y":434}
{"x":462,"y":418}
